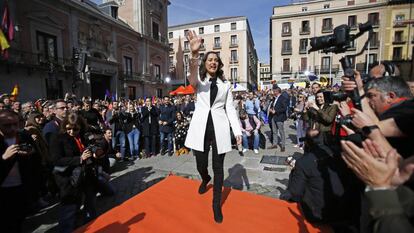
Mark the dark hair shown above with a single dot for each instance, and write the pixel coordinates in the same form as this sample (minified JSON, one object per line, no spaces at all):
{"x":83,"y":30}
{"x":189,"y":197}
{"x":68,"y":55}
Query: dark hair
{"x":203,"y":70}
{"x":73,"y":119}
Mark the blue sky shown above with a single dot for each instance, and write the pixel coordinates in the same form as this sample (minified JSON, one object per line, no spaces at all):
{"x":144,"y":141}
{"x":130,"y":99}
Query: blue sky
{"x":257,"y":11}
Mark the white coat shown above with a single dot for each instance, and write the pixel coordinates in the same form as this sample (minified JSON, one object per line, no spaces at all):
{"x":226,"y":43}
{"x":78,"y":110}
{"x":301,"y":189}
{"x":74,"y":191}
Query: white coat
{"x":222,"y":111}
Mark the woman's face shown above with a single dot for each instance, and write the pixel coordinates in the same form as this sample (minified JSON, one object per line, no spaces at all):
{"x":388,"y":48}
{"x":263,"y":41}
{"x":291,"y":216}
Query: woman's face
{"x":212,"y":64}
{"x":72,"y":130}
{"x":320,"y":99}
{"x":301,"y":98}
{"x":178,"y":116}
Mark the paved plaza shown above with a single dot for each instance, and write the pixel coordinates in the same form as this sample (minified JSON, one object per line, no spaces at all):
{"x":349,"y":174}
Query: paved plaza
{"x":245,"y":173}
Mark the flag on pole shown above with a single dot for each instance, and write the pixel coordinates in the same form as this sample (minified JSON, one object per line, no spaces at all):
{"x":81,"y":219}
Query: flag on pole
{"x":7,"y":23}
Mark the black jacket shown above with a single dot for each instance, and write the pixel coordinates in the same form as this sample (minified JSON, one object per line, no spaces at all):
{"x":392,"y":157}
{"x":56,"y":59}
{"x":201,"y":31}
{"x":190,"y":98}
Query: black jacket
{"x":133,"y":119}
{"x":65,"y":153}
{"x":149,"y":121}
{"x":29,"y":166}
{"x":118,"y":121}
{"x":280,"y":108}
{"x":167,"y":113}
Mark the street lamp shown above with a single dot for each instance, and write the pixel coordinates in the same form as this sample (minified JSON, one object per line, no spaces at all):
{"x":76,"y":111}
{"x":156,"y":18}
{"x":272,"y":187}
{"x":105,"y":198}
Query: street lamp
{"x":167,"y":79}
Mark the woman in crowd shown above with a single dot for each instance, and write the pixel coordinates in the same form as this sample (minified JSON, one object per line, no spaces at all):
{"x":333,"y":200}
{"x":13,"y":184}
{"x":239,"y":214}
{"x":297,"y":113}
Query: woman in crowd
{"x":298,"y":117}
{"x":70,"y":155}
{"x":181,"y":127}
{"x":213,"y":115}
{"x":132,"y":130}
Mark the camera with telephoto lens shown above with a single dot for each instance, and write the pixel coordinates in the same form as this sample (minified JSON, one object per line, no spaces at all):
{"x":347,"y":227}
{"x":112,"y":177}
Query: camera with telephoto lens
{"x":339,"y":42}
{"x":95,"y":144}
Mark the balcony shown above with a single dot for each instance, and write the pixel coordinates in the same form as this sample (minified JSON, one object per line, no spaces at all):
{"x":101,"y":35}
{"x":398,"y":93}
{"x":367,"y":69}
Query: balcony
{"x":202,"y":47}
{"x":287,"y":51}
{"x":234,"y":44}
{"x":171,"y":50}
{"x":399,"y":24}
{"x":130,"y":76}
{"x":375,"y":23}
{"x":304,"y":31}
{"x":353,"y":27}
{"x":217,"y":46}
{"x":324,"y":69}
{"x":234,"y":60}
{"x":399,"y":40}
{"x":286,"y":70}
{"x":186,"y":49}
{"x":36,"y":60}
{"x":287,"y":32}
{"x":303,"y":50}
{"x":327,"y":28}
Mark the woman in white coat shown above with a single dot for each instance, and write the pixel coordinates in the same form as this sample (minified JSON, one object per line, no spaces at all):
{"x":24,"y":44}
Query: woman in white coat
{"x":214,"y":114}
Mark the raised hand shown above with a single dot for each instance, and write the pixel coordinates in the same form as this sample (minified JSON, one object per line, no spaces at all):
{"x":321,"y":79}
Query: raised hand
{"x":195,"y":42}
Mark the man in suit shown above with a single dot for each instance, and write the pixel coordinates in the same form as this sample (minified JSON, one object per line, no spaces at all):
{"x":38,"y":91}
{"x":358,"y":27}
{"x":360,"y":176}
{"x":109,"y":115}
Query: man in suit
{"x":277,"y":113}
{"x":166,"y":119}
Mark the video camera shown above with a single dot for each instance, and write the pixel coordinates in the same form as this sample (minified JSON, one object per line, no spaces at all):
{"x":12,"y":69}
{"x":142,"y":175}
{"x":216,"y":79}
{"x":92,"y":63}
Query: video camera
{"x":340,"y":42}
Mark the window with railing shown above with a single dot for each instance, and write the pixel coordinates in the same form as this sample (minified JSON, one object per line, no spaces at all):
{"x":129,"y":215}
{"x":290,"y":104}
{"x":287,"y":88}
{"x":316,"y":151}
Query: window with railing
{"x":233,"y":74}
{"x":127,"y":66}
{"x":305,"y":27}
{"x":398,"y":37}
{"x":397,"y":53}
{"x":233,"y":57}
{"x":325,"y":64}
{"x":286,"y":65}
{"x":186,"y":46}
{"x":233,"y":40}
{"x":352,"y":21}
{"x":327,"y":25}
{"x":47,"y":47}
{"x":217,"y":43}
{"x":373,"y":18}
{"x":303,"y":45}
{"x":286,"y":29}
{"x":303,"y":64}
{"x":286,"y":47}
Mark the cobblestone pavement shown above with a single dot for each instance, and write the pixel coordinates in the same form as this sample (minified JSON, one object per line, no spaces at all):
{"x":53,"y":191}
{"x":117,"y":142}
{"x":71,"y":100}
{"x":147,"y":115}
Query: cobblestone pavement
{"x":245,"y":173}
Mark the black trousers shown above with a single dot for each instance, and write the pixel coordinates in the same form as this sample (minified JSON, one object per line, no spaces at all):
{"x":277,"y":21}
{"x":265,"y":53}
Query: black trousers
{"x":218,"y":160}
{"x":13,"y":203}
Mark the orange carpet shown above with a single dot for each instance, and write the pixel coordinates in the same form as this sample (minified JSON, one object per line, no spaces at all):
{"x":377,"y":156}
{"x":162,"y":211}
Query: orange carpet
{"x":174,"y":205}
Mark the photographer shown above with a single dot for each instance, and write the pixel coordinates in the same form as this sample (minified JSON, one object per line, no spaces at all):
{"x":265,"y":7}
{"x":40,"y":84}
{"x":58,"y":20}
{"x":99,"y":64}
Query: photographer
{"x":70,"y":156}
{"x":320,"y":116}
{"x":19,"y":172}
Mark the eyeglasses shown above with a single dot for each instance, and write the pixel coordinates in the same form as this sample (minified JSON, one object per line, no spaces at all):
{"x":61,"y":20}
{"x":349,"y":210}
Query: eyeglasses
{"x":62,"y":108}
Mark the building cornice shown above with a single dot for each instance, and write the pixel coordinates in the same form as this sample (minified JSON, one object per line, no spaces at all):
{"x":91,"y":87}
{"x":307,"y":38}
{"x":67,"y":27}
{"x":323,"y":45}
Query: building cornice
{"x":206,"y":22}
{"x":328,"y":11}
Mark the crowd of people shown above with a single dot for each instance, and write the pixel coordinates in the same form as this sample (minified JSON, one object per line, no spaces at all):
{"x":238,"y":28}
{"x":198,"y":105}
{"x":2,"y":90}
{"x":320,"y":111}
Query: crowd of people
{"x":65,"y":148}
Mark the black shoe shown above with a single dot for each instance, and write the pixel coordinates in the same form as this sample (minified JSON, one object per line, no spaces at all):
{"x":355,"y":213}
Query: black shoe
{"x":203,"y":186}
{"x":163,"y":152}
{"x":218,"y":215}
{"x":282,"y":149}
{"x":170,"y":153}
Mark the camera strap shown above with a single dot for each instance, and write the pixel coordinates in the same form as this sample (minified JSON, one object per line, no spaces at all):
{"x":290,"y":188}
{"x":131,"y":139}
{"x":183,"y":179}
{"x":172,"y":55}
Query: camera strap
{"x":79,"y":144}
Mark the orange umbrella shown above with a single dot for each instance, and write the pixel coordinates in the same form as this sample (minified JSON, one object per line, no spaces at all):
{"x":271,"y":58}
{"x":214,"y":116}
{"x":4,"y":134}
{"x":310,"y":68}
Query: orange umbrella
{"x":189,"y":90}
{"x":178,"y":91}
